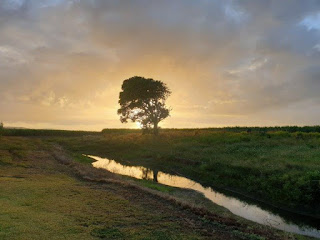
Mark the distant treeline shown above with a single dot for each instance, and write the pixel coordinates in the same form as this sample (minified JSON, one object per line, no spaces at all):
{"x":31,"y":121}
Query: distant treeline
{"x":120,"y":130}
{"x":45,"y":132}
{"x":48,"y":132}
{"x":291,"y":129}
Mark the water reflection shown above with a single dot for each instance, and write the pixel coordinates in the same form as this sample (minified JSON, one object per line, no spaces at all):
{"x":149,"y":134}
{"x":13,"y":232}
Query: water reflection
{"x":237,"y":207}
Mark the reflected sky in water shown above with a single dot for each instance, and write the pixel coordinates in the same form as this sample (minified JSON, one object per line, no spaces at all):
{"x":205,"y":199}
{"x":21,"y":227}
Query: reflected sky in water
{"x":237,"y":207}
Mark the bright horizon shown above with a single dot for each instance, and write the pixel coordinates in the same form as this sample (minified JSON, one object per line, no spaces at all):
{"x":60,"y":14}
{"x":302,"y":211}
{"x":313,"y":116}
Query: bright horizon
{"x":227,"y":63}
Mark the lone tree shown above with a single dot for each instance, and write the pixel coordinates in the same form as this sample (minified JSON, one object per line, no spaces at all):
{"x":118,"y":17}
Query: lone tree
{"x":143,"y":100}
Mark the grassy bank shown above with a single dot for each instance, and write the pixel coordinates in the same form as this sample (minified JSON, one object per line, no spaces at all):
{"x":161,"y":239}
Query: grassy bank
{"x":280,"y":166}
{"x":40,"y":198}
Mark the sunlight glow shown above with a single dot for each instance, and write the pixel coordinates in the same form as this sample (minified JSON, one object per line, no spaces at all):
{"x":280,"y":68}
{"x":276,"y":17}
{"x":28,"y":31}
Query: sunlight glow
{"x":138,"y":125}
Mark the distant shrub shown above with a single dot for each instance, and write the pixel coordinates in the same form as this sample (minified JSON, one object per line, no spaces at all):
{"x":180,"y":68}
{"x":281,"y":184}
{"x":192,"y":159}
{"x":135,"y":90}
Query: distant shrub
{"x":1,"y":128}
{"x":117,"y":131}
{"x":46,"y":132}
{"x":299,"y":135}
{"x":281,"y":134}
{"x":289,"y":129}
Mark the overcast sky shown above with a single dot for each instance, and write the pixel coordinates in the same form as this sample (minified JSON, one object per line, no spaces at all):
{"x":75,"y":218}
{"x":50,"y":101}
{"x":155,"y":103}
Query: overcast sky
{"x":248,"y":62}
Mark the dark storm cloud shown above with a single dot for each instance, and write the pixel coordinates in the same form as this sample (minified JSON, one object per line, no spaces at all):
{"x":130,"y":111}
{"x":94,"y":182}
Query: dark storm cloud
{"x":221,"y":58}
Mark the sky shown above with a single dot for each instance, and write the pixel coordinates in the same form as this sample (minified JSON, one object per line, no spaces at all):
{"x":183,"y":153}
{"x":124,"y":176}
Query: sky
{"x":227,"y":63}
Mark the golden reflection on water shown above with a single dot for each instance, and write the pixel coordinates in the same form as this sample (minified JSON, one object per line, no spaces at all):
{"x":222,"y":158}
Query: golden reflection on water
{"x":237,"y":207}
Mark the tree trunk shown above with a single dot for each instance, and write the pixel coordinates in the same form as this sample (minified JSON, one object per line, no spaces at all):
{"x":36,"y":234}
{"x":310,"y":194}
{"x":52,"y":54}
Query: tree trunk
{"x":155,"y":128}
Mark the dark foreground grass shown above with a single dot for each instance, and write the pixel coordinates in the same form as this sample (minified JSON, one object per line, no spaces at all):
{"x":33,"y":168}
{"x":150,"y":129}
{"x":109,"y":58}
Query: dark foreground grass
{"x":42,"y":199}
{"x":280,"y":167}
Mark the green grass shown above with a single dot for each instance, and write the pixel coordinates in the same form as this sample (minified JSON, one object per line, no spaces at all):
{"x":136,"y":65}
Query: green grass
{"x":156,"y":186}
{"x":82,"y":159}
{"x":279,"y":166}
{"x":40,"y":200}
{"x":56,"y":207}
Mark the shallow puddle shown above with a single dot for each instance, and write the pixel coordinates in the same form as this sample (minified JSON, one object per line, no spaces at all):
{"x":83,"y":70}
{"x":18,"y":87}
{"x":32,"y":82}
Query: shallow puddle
{"x":238,"y":207}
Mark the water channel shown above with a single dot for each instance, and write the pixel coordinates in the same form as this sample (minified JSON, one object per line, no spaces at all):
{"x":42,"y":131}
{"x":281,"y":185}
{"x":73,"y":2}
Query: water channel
{"x":238,"y":207}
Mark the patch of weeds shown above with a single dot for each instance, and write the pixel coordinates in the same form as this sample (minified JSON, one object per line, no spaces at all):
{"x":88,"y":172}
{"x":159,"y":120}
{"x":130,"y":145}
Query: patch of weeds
{"x":217,"y":224}
{"x":107,"y":233}
{"x":23,"y":165}
{"x":5,"y":158}
{"x":159,"y":235}
{"x":82,"y":159}
{"x":247,"y":235}
{"x":156,"y":186}
{"x":205,"y":220}
{"x":20,"y":154}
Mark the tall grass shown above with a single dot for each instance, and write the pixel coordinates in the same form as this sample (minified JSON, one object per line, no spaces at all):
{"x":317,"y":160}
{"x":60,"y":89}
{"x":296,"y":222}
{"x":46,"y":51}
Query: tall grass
{"x":280,"y":167}
{"x":280,"y":164}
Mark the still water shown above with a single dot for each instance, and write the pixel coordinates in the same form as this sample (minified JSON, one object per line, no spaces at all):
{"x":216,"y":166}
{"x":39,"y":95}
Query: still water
{"x":249,"y":211}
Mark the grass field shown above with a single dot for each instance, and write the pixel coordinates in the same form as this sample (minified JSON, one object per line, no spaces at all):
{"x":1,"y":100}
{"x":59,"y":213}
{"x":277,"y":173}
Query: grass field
{"x":39,"y":195}
{"x":280,"y":166}
{"x":41,"y":198}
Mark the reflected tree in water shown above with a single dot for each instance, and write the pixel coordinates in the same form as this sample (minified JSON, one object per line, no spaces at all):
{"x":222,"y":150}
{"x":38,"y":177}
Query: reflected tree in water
{"x":148,"y":174}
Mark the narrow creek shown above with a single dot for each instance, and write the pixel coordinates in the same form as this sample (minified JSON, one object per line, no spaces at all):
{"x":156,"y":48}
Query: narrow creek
{"x":238,"y":207}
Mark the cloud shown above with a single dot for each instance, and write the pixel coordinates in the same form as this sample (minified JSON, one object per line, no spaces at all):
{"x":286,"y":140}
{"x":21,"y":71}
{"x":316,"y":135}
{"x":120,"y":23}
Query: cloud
{"x":312,"y":21}
{"x":66,"y":59}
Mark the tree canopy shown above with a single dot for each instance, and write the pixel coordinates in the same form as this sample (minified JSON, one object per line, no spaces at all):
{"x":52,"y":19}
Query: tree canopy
{"x":143,"y":100}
